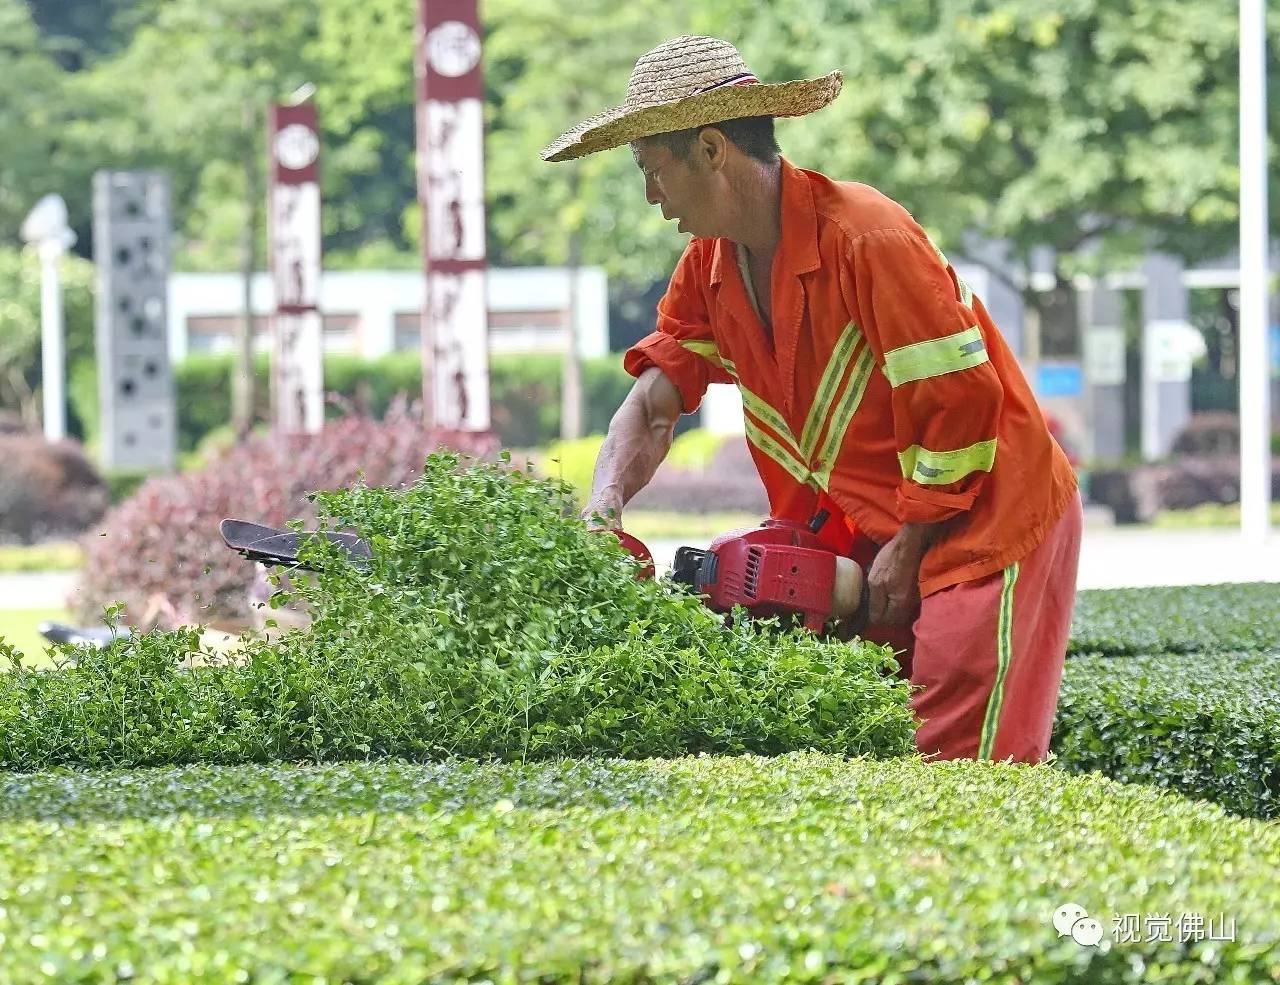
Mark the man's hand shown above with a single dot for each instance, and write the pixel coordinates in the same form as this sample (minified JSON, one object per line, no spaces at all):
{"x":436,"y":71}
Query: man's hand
{"x":894,"y":576}
{"x":603,"y":515}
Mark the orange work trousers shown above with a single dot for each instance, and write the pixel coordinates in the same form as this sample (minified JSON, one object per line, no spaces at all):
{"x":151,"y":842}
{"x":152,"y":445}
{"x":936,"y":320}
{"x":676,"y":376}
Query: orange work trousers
{"x":988,"y":654}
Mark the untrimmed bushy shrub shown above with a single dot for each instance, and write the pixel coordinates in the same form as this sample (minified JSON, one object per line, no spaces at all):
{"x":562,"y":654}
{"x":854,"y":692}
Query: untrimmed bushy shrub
{"x":804,"y":868}
{"x":159,"y":552}
{"x":1206,"y":725}
{"x":1194,"y":619}
{"x":47,"y":490}
{"x":487,"y":625}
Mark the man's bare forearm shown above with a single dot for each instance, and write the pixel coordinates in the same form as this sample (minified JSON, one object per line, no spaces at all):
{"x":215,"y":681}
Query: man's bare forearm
{"x":630,"y":455}
{"x":639,"y":438}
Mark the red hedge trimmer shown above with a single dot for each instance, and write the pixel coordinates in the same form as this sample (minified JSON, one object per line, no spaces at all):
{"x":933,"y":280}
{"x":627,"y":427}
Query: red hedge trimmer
{"x":780,"y":568}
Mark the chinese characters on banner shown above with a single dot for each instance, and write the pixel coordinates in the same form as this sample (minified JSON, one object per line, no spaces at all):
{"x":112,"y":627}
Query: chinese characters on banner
{"x":297,"y":369}
{"x":450,"y":134}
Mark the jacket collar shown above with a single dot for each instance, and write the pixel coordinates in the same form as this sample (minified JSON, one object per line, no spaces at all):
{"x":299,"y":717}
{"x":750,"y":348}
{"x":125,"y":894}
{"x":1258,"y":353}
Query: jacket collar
{"x":798,"y":245}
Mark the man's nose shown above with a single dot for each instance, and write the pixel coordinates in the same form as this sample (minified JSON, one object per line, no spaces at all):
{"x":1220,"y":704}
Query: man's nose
{"x":651,"y":193}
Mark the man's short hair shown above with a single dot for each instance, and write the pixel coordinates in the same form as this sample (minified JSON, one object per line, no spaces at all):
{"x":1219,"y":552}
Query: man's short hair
{"x":753,"y":135}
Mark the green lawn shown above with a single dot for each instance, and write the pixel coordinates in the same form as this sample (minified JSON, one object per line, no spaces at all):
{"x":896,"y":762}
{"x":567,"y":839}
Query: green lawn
{"x":1207,"y":515}
{"x":18,"y":628}
{"x":56,"y":555}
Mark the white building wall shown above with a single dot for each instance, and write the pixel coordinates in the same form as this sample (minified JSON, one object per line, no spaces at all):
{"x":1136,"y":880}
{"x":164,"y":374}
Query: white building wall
{"x":376,"y":297}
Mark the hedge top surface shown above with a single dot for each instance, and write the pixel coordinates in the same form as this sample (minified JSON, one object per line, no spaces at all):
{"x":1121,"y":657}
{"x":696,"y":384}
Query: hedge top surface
{"x":1177,"y":619}
{"x":802,"y":867}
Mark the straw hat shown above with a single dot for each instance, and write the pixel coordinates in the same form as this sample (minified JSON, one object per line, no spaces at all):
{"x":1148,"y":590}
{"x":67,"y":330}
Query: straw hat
{"x":690,"y":82}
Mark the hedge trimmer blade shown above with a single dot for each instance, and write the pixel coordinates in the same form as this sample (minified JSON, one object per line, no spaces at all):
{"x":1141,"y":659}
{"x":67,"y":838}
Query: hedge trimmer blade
{"x":98,"y":637}
{"x":270,"y":545}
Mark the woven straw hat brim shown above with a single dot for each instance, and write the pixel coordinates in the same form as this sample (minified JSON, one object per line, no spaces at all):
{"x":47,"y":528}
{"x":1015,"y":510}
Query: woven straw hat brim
{"x":620,"y":125}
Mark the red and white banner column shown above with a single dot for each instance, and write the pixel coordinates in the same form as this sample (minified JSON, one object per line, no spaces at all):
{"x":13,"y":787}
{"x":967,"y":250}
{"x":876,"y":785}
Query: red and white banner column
{"x":297,"y":366}
{"x":450,"y":133}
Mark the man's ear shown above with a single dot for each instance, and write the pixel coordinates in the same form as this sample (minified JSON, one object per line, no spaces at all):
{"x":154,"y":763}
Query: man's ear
{"x":712,"y":148}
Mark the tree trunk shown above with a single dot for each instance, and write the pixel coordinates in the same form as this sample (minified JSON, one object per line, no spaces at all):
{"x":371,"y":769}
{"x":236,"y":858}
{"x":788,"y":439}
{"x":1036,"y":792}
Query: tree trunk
{"x":242,"y":387}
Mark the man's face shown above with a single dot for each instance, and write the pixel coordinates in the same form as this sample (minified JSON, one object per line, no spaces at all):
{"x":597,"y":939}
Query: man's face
{"x":680,"y":187}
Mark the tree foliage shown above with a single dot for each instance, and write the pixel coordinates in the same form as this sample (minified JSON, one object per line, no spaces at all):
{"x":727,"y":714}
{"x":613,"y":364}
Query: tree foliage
{"x":20,"y":364}
{"x":1097,"y":127}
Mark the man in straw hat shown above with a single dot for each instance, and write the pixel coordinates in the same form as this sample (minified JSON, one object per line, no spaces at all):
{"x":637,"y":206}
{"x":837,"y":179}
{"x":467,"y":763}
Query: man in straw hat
{"x":874,"y":384}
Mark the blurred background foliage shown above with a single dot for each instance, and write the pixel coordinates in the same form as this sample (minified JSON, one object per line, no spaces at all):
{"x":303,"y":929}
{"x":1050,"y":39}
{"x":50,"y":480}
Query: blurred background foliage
{"x":1096,"y":127}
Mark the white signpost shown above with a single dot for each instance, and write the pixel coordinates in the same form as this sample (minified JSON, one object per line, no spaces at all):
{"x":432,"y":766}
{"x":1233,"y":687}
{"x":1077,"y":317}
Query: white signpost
{"x":297,"y":356}
{"x":46,"y":228}
{"x":455,"y":347}
{"x":1255,"y":398}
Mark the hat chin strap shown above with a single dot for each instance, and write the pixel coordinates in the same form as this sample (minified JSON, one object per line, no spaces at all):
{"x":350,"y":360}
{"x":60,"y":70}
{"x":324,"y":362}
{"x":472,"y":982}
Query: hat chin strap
{"x":745,"y":79}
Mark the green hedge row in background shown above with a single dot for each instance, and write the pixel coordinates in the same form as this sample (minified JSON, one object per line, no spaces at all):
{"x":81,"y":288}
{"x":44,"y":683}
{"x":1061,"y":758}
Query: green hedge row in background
{"x":1182,"y":619}
{"x":1179,"y":688}
{"x":525,"y":392}
{"x":1204,"y":724}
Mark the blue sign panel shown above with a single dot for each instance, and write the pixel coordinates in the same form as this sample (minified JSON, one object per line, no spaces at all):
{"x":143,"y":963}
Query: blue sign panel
{"x":1059,"y":380}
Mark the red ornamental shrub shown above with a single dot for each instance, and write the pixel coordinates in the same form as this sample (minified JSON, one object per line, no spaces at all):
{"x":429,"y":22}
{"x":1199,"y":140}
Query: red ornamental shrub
{"x":160,"y":552}
{"x":47,"y":490}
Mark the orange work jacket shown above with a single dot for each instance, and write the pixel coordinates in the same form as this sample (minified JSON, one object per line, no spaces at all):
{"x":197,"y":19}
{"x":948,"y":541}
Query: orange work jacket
{"x":885,"y":387}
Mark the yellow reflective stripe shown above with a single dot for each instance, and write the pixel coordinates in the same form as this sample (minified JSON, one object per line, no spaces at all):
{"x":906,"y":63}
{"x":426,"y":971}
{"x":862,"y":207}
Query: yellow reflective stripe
{"x":937,"y":468}
{"x":706,"y":349}
{"x":703,"y":347}
{"x":921,"y":360}
{"x":843,"y":415}
{"x":766,"y":443}
{"x":941,"y":256}
{"x":770,"y":417}
{"x":1004,"y":656}
{"x":828,"y":387}
{"x":729,"y":366}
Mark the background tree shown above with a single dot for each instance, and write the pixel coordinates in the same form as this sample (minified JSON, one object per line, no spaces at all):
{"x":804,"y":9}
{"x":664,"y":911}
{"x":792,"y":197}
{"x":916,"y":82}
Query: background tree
{"x":1097,"y":128}
{"x":34,"y":112}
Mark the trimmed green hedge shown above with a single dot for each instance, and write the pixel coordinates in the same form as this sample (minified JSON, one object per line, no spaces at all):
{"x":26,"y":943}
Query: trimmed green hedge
{"x":1201,"y":618}
{"x":1206,"y":725}
{"x":524,"y":392}
{"x":802,"y":868}
{"x":1179,"y":688}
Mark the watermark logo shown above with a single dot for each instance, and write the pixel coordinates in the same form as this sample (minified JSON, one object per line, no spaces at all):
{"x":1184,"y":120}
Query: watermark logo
{"x":1073,"y":920}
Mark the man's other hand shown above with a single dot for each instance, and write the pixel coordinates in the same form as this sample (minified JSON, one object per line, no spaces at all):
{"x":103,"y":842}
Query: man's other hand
{"x":893,"y":580}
